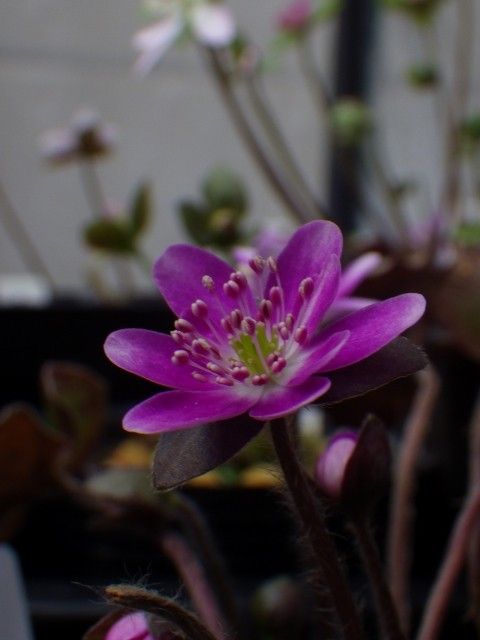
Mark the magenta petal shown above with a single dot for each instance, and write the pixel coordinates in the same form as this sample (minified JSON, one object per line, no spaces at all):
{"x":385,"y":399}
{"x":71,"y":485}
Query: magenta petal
{"x":316,"y":359}
{"x":374,"y":327}
{"x":149,"y":354}
{"x":281,"y":401}
{"x":179,"y":273}
{"x":356,"y":272}
{"x":306,"y":255}
{"x":344,"y":306}
{"x":173,"y":410}
{"x":324,"y":293}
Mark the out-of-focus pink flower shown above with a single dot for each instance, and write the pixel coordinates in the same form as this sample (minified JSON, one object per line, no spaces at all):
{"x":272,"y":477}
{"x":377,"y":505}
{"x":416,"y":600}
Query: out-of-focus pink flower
{"x":211,"y":24}
{"x":331,"y":466}
{"x":85,"y":137}
{"x":131,"y":627}
{"x":296,"y":17}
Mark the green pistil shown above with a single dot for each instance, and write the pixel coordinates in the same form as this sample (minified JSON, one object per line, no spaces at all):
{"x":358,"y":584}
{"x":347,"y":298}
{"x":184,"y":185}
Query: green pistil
{"x":247,"y":350}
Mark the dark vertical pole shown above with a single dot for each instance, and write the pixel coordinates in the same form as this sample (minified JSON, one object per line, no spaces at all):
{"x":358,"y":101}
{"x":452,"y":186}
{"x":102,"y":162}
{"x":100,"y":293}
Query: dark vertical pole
{"x":352,"y":62}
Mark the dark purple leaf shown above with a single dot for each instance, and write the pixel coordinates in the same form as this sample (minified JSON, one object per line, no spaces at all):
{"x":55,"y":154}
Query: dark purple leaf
{"x":183,"y":455}
{"x":398,"y":359}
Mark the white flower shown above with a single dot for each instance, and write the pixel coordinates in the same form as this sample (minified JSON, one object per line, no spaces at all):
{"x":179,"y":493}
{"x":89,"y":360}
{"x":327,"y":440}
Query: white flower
{"x":210,"y":23}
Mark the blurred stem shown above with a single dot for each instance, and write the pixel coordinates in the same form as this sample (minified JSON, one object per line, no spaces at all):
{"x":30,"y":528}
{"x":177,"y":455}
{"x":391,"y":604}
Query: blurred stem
{"x":193,"y":575}
{"x":194,"y":524}
{"x":272,"y":129}
{"x":437,"y":605}
{"x":309,"y":511}
{"x":388,"y":191}
{"x":27,"y":249}
{"x":315,"y":82}
{"x":386,"y":611}
{"x":92,"y":188}
{"x":276,"y":179}
{"x":474,"y":545}
{"x":457,"y":103}
{"x":399,"y":539}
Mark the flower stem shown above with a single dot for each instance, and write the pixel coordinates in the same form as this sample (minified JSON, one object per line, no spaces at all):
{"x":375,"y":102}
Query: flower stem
{"x":92,"y":188}
{"x":314,"y":80}
{"x":401,"y":514}
{"x":386,"y":611}
{"x":196,"y":582}
{"x":141,"y":599}
{"x":194,"y":525}
{"x":277,"y":180}
{"x":14,"y":225}
{"x":273,"y":131}
{"x":452,"y":564}
{"x":309,"y":512}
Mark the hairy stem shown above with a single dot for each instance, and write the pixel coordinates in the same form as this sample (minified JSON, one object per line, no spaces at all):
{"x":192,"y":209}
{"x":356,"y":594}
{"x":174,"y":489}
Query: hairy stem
{"x":437,"y":604}
{"x":386,"y":611}
{"x":92,"y":188}
{"x":15,"y":227}
{"x":196,"y":582}
{"x":401,"y":514}
{"x":324,"y":551}
{"x":140,"y":599}
{"x":195,"y":526}
{"x":315,"y":82}
{"x":276,"y":179}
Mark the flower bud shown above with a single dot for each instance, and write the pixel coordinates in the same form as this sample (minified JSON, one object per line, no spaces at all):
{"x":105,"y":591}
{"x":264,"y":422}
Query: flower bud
{"x":420,"y":10}
{"x":354,"y":468}
{"x":138,"y":626}
{"x":296,"y":17}
{"x":351,"y":121}
{"x":279,"y":608}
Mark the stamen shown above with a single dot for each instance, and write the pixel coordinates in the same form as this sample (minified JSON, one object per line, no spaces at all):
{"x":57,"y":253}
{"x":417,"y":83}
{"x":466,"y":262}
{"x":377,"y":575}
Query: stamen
{"x":257,"y":264}
{"x":279,"y":365}
{"x":208,"y":282}
{"x":200,"y":309}
{"x":306,"y":288}
{"x":249,"y":325}
{"x":201,"y":347}
{"x":240,"y":373}
{"x":225,"y":381}
{"x":289,"y":321}
{"x":272,"y":263}
{"x":275,"y":296}
{"x":199,"y":376}
{"x":178,"y":337}
{"x":283,"y":331}
{"x":266,"y":309}
{"x":180,"y":357}
{"x":227,"y":326}
{"x":300,"y":334}
{"x":239,"y":278}
{"x":231,"y":289}
{"x":184,"y":325}
{"x":214,"y":368}
{"x":260,"y":380}
{"x":236,"y":318}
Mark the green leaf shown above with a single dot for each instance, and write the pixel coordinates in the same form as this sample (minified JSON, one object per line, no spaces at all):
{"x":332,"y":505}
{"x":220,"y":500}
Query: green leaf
{"x":111,"y":235}
{"x":141,"y":208}
{"x":468,"y":234}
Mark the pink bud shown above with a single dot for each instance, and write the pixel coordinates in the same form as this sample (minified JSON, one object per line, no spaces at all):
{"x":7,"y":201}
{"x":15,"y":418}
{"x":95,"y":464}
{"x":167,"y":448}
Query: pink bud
{"x":296,"y":16}
{"x":331,"y":466}
{"x":131,"y":627}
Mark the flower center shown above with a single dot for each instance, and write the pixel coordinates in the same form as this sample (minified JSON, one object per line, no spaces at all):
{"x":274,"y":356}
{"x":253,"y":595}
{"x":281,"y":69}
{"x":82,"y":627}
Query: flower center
{"x":242,"y":348}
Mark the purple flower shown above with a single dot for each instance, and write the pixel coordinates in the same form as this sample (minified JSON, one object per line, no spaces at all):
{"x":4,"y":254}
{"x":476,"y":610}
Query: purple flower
{"x":131,"y":627}
{"x":252,"y":345}
{"x":331,"y":465}
{"x":211,"y":23}
{"x":296,"y":17}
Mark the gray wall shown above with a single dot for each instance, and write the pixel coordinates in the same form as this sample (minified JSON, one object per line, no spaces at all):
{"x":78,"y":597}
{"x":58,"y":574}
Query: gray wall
{"x":56,"y":55}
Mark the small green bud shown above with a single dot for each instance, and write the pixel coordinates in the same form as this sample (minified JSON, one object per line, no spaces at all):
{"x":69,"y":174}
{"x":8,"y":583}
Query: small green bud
{"x":470,"y":128}
{"x":223,"y":189}
{"x":351,"y":121}
{"x":423,"y":75}
{"x":421,"y":11}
